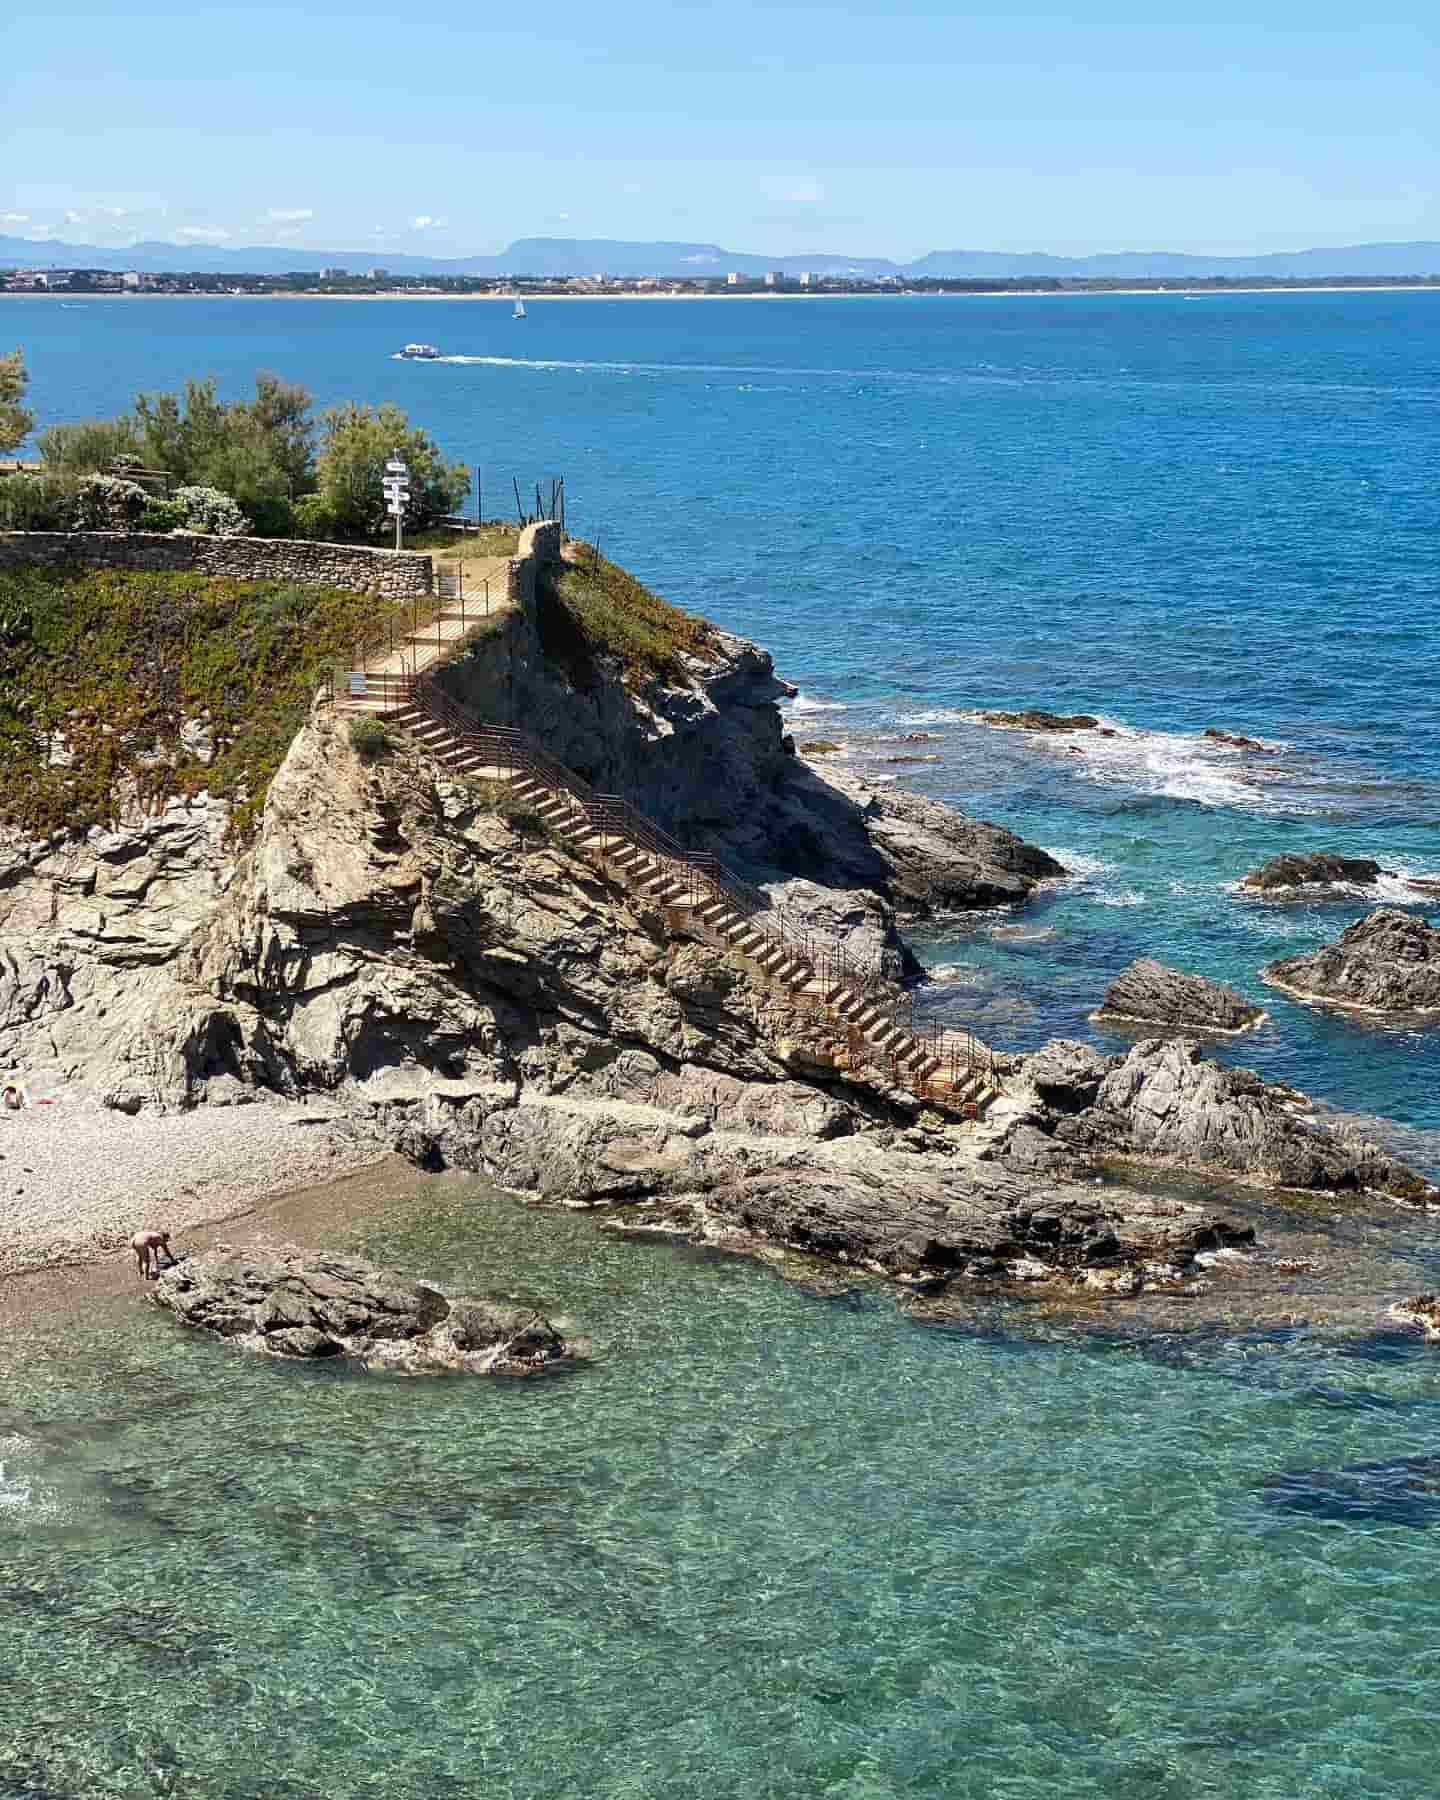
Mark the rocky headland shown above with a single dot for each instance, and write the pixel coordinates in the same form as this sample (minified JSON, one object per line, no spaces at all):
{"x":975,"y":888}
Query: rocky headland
{"x":416,"y":949}
{"x":1387,"y":962}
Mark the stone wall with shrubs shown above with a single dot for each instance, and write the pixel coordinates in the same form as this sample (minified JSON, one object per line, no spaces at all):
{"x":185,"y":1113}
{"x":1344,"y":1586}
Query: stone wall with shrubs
{"x":393,"y":574}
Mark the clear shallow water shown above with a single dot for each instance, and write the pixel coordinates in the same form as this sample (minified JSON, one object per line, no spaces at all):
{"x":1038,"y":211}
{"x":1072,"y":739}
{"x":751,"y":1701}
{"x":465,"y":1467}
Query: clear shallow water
{"x":773,"y":1544}
{"x":767,"y":1544}
{"x":1173,"y":513}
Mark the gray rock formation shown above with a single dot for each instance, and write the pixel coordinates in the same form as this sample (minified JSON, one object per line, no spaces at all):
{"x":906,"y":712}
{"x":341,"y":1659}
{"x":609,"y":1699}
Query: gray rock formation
{"x":1150,"y":993}
{"x":1323,"y":868}
{"x":1165,"y":1102}
{"x":1388,"y":961}
{"x":286,"y":1302}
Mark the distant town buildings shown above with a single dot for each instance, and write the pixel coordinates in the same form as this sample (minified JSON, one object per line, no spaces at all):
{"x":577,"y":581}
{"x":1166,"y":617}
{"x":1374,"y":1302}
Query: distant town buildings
{"x":804,"y":278}
{"x":333,"y":274}
{"x":773,"y":277}
{"x":733,"y":279}
{"x":378,"y":274}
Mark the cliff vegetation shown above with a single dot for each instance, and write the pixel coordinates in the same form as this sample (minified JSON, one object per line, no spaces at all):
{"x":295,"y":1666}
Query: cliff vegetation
{"x":590,"y":608}
{"x":118,"y":684}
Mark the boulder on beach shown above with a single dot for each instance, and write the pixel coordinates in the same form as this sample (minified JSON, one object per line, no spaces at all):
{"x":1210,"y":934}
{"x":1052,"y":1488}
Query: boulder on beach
{"x":1325,"y":868}
{"x":290,"y":1302}
{"x":1389,"y":961}
{"x":1036,"y":719}
{"x":1150,"y":993}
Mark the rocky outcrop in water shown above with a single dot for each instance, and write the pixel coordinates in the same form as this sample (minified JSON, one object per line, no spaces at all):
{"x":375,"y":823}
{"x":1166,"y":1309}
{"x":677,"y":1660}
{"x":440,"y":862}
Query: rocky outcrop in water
{"x":1036,"y":719}
{"x":1233,"y":740}
{"x":1386,"y":962}
{"x":1323,"y":868}
{"x":1422,"y":1310}
{"x":1165,"y":1101}
{"x":286,"y":1302}
{"x":1151,"y":993}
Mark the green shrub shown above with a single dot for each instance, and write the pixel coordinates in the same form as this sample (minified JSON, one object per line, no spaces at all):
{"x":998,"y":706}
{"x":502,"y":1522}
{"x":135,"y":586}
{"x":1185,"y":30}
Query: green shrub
{"x":162,"y":515}
{"x":36,"y":503}
{"x":270,"y":516}
{"x":108,"y":503}
{"x":209,"y":511}
{"x":314,"y":519}
{"x":368,"y":737}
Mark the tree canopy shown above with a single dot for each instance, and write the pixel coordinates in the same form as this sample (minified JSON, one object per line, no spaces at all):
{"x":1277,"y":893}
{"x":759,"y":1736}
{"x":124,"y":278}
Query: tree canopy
{"x":15,"y":423}
{"x":357,"y":441}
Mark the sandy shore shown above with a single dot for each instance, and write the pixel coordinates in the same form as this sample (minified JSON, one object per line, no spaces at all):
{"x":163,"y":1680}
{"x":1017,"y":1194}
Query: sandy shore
{"x":77,"y":1180}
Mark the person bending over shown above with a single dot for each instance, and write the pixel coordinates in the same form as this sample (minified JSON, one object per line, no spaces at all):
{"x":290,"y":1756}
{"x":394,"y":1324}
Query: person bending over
{"x":147,"y":1246}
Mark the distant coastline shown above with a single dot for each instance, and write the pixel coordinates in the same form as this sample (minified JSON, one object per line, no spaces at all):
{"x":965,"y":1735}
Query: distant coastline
{"x":1070,"y":292}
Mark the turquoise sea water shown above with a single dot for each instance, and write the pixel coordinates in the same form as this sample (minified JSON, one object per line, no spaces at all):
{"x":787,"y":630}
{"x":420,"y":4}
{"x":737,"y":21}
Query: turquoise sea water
{"x":1170,"y":512}
{"x":770,"y":1543}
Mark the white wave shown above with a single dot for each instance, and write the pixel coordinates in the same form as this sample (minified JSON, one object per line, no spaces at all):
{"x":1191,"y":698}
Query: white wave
{"x":1165,"y":764}
{"x":17,"y":1493}
{"x":801,"y":704}
{"x":1393,"y":886}
{"x":940,"y":715}
{"x":1124,"y":897}
{"x":1078,"y":866}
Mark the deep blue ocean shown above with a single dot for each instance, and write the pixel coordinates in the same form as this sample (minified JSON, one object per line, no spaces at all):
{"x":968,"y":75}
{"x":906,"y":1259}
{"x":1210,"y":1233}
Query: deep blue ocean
{"x":773,"y":1544}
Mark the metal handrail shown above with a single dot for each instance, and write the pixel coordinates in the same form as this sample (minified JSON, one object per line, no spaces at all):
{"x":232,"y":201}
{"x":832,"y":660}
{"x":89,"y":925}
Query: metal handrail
{"x":830,"y":969}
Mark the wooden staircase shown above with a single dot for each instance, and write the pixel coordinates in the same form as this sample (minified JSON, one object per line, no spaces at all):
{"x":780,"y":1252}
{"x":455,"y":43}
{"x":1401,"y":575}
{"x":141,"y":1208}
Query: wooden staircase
{"x":866,"y":1016}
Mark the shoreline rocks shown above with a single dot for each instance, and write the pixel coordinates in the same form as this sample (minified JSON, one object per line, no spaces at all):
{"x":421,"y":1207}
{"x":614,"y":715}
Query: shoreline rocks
{"x":282,"y":1301}
{"x":1150,"y":993}
{"x":1322,"y":868}
{"x":1387,"y":962}
{"x":1166,"y":1102}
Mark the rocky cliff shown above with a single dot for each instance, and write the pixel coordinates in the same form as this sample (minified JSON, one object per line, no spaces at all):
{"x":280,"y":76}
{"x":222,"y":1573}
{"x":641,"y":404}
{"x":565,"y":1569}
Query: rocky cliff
{"x":469,"y":989}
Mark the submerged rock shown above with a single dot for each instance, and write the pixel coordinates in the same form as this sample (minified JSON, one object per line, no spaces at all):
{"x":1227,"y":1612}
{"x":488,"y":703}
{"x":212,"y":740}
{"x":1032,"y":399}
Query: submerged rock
{"x":1325,"y":868}
{"x":1150,"y":992}
{"x":1422,"y":1310}
{"x":1388,"y":961}
{"x":288,"y":1302}
{"x":1401,"y":1490}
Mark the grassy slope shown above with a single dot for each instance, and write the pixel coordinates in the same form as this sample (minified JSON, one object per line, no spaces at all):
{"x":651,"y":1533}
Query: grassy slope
{"x":595,"y":610}
{"x":115,"y":661}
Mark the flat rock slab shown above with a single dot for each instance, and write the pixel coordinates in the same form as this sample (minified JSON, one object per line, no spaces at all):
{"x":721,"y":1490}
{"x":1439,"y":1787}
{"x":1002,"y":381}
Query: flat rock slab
{"x":1153,"y":994}
{"x":1388,"y":961}
{"x":284,"y":1301}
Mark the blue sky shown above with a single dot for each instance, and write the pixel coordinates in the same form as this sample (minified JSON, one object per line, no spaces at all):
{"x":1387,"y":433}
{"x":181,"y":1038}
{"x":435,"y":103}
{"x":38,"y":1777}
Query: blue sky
{"x":449,"y":128}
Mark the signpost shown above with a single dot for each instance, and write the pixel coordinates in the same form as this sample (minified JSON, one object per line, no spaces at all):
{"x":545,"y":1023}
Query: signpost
{"x":396,"y":486}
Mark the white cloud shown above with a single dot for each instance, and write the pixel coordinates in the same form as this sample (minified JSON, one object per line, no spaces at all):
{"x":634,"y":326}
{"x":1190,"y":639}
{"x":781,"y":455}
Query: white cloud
{"x":116,"y":212}
{"x":427,"y":222}
{"x":14,"y":218}
{"x":290,"y":215}
{"x":203,"y":234}
{"x":73,"y":218}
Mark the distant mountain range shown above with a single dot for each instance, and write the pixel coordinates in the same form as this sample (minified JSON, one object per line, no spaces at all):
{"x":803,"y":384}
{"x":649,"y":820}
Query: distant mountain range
{"x":608,"y":256}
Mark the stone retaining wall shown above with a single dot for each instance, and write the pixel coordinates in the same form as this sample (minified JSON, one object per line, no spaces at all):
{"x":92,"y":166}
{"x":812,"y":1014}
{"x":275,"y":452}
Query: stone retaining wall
{"x":395,"y":575}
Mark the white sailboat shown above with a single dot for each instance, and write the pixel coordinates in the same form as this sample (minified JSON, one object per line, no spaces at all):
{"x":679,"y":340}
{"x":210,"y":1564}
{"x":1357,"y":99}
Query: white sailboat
{"x":519,"y":312}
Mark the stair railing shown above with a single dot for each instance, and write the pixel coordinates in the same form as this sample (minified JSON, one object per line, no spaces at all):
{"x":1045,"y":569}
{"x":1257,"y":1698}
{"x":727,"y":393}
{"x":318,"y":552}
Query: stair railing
{"x":705,"y":879}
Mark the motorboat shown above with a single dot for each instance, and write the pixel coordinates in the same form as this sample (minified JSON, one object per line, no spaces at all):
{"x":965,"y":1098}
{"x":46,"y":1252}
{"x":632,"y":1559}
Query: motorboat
{"x":420,"y":353}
